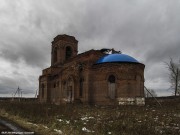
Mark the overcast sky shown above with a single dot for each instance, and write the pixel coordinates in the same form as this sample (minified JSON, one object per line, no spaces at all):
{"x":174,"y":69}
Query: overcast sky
{"x":148,"y":30}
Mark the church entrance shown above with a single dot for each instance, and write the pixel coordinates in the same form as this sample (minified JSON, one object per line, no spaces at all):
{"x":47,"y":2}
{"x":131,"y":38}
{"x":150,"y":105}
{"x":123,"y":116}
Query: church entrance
{"x":111,"y":86}
{"x":69,"y":96}
{"x":70,"y":90}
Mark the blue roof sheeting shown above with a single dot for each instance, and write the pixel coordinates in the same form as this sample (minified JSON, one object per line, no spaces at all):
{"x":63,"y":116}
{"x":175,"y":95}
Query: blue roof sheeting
{"x":113,"y":58}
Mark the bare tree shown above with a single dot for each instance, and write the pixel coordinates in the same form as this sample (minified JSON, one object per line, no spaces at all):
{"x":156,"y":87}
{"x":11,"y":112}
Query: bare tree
{"x":174,"y":69}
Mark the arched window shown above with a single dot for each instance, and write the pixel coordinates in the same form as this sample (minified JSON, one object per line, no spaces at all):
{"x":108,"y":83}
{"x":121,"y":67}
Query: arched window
{"x":70,"y":89}
{"x":68,"y":52}
{"x":54,"y":86}
{"x":65,"y":93}
{"x":112,"y":79}
{"x":111,"y":86}
{"x":55,"y":55}
{"x":42,"y":87}
{"x":81,"y":87}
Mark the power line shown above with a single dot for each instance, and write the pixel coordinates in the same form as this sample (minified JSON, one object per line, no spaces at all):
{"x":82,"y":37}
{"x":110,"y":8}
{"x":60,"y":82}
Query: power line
{"x":152,"y":96}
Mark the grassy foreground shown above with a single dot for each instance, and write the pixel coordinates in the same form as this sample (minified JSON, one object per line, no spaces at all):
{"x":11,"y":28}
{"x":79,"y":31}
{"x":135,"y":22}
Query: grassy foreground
{"x":72,"y":119}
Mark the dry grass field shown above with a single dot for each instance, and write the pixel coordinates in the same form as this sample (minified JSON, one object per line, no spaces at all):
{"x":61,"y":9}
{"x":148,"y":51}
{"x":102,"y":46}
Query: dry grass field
{"x":150,"y":119}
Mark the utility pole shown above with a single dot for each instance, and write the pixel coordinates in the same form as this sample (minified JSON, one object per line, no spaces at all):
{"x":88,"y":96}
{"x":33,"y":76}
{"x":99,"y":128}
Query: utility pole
{"x":19,"y":93}
{"x":153,"y":96}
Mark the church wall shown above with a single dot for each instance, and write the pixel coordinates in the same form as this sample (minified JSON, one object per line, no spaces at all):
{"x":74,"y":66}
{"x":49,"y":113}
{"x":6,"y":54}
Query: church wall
{"x":43,"y":81}
{"x":129,"y":82}
{"x":86,"y":84}
{"x":53,"y":91}
{"x":48,"y":86}
{"x":71,"y":69}
{"x":95,"y":83}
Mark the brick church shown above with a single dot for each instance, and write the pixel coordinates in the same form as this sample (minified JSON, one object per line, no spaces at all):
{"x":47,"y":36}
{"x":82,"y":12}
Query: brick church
{"x":103,"y":77}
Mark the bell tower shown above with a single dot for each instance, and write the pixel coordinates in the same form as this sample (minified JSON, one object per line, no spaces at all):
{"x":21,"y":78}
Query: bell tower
{"x":64,"y":47}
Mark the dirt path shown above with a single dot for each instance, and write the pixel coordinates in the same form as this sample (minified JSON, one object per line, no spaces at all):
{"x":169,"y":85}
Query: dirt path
{"x":7,"y":127}
{"x":4,"y":128}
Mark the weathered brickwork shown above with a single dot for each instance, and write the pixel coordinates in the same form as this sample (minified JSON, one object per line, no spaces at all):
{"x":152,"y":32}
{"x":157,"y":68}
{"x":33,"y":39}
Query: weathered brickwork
{"x":76,"y":77}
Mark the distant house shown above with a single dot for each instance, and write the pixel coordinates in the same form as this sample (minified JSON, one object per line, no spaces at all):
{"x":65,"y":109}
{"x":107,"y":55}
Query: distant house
{"x":93,"y":77}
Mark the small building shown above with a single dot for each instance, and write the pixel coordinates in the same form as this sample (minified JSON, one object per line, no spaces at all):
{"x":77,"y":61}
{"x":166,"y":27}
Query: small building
{"x":93,"y":77}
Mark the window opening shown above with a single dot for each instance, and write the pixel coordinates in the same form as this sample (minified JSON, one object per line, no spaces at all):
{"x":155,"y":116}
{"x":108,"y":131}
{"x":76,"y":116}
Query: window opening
{"x":111,"y":86}
{"x":55,"y":55}
{"x":68,"y":52}
{"x":81,"y":87}
{"x":42,"y":90}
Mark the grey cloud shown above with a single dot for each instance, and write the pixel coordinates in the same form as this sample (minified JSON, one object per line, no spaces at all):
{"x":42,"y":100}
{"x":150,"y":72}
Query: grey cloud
{"x":10,"y":84}
{"x":33,"y":54}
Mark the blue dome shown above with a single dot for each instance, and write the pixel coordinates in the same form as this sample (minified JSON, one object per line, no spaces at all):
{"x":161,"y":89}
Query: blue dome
{"x":111,"y":58}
